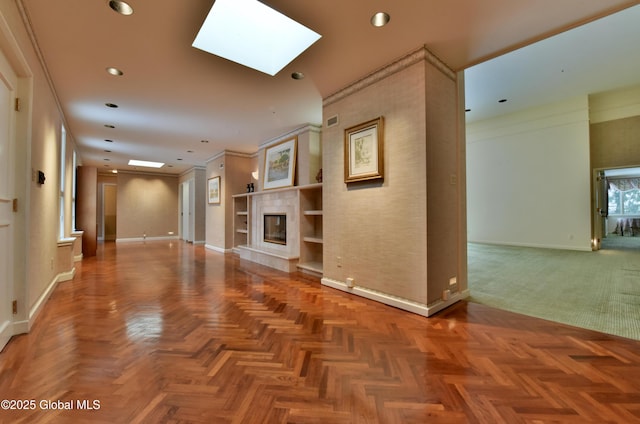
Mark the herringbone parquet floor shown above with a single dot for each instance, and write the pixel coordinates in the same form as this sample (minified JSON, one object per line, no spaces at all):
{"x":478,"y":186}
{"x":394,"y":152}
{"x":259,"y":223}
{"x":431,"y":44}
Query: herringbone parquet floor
{"x":171,"y":333}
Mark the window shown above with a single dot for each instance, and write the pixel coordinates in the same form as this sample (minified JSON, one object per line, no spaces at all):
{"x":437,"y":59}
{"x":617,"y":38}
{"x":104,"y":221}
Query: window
{"x":73,"y":190}
{"x":624,"y":196}
{"x":63,"y":154}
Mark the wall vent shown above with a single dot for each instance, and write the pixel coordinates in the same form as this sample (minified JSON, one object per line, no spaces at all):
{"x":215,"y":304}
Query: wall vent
{"x":332,"y":121}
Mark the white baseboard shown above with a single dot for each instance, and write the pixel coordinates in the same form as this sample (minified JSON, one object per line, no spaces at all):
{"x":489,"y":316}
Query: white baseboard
{"x":78,"y":258}
{"x":133,"y":239}
{"x":37,"y":307}
{"x":199,"y":242}
{"x":6,"y":332}
{"x":535,"y":245}
{"x":66,"y":276}
{"x":217,"y":249}
{"x":397,"y":302}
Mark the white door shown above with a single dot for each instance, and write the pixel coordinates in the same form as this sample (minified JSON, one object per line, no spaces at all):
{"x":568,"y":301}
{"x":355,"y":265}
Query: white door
{"x":186,"y":212}
{"x":8,"y":83}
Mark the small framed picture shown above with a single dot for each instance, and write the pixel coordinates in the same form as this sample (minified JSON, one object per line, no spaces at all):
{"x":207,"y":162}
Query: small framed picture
{"x":280,"y":164}
{"x":364,"y":151}
{"x":213,"y":190}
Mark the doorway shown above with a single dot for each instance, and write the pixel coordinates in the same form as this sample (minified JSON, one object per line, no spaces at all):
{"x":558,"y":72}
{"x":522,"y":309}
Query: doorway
{"x":187,"y":198}
{"x":617,"y":208}
{"x":109,"y":211}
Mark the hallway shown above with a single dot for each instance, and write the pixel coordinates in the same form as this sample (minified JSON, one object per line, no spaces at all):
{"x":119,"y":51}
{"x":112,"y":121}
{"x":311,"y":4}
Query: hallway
{"x":168,"y":332}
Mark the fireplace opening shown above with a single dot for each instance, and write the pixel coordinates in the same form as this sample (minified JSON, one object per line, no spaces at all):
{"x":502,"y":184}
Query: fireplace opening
{"x":275,"y":228}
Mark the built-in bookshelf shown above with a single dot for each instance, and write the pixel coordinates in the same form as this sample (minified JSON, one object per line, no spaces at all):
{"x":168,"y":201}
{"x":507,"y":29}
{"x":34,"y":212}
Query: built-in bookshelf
{"x":304,"y":203}
{"x":311,"y":246}
{"x":241,"y":206}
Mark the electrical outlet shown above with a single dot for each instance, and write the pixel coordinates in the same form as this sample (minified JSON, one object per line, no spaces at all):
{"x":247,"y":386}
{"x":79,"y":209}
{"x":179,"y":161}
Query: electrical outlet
{"x":339,"y":261}
{"x":350,"y":282}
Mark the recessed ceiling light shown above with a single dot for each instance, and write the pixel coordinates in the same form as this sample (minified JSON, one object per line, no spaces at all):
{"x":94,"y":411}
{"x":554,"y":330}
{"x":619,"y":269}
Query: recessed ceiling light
{"x":148,"y":164}
{"x":115,"y":171}
{"x":380,"y":19}
{"x":297,"y":75}
{"x":121,"y":7}
{"x":252,"y":34}
{"x":111,"y":105}
{"x":109,"y":126}
{"x":115,"y":71}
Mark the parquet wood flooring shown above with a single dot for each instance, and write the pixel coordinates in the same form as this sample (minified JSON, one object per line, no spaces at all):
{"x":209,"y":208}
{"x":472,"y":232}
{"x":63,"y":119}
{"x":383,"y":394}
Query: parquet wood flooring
{"x":162,"y":332}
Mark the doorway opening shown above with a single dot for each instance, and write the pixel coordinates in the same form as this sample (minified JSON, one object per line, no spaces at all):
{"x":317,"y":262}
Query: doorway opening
{"x":617,"y":211}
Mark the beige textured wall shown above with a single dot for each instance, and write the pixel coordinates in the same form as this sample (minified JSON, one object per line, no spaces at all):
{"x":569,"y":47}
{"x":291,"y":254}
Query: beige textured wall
{"x":442,"y":181}
{"x":402,"y":237}
{"x":147,"y":204}
{"x":376,"y":233}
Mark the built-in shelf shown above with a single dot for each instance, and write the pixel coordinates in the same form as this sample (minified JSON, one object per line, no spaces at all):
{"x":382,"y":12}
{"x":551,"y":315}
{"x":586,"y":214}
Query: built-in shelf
{"x":241,"y":205}
{"x":309,"y":216}
{"x":311,"y":247}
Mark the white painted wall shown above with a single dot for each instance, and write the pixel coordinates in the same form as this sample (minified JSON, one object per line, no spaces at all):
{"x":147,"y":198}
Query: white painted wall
{"x":528,"y":178}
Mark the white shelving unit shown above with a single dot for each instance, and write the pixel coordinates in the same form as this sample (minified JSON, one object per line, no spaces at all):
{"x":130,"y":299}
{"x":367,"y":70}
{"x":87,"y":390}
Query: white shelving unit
{"x":241,"y":207}
{"x":311,"y":245}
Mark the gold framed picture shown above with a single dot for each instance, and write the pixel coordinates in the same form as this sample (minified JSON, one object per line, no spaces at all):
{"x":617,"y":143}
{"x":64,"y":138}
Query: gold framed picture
{"x":280,"y":164}
{"x":364,"y":151}
{"x":213,"y":190}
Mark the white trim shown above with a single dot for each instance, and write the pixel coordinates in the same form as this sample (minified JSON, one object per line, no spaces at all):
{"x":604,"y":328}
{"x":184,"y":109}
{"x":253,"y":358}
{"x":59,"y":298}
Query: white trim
{"x":37,"y":306}
{"x":132,"y":239}
{"x":296,"y":132}
{"x":77,"y":258}
{"x":231,"y":153}
{"x":217,"y":249}
{"x":21,"y":327}
{"x":6,"y":332}
{"x":535,"y":245}
{"x":397,"y":302}
{"x":66,"y":276}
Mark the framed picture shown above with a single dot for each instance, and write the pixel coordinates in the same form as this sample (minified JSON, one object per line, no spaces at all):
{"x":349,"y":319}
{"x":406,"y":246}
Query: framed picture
{"x":364,"y":151}
{"x":213,"y":190}
{"x":280,"y":164}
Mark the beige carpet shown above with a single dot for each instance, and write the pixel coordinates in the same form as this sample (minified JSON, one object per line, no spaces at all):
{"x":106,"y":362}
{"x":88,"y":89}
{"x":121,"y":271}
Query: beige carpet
{"x":595,"y":290}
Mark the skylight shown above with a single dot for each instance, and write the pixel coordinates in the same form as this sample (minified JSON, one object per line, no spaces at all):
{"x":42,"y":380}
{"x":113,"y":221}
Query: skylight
{"x":134,"y":162}
{"x":254,"y":35}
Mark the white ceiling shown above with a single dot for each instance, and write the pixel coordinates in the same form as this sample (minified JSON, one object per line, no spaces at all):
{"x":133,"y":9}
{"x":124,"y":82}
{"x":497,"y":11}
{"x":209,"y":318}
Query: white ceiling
{"x":597,"y":57}
{"x":172,"y":95}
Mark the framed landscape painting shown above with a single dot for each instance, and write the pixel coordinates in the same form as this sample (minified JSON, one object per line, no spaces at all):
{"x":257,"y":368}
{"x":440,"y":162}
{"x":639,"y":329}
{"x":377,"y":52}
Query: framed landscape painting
{"x":213,"y":190}
{"x":364,"y":151}
{"x":280,"y":164}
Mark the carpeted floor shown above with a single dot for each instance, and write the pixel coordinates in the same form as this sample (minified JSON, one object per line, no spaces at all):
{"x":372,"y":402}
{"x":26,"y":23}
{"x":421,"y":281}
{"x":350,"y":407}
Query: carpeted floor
{"x":595,"y":290}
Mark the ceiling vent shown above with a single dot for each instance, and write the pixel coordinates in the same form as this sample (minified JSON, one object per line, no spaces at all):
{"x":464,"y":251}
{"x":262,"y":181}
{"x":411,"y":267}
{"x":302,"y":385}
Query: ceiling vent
{"x":332,"y":121}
